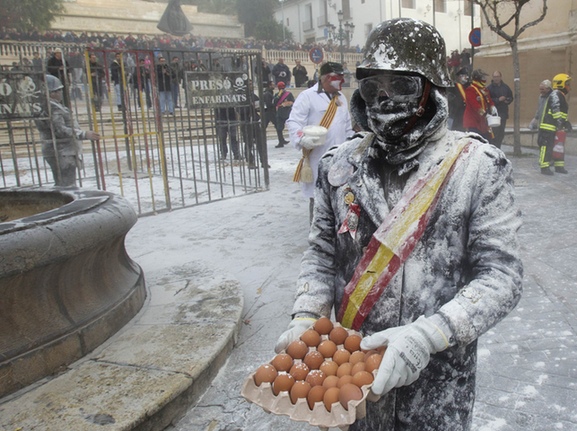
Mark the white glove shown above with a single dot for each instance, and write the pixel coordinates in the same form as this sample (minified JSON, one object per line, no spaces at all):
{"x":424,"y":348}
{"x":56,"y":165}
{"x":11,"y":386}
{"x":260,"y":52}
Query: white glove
{"x":408,"y":352}
{"x":309,"y":142}
{"x":295,"y":329}
{"x":494,"y":111}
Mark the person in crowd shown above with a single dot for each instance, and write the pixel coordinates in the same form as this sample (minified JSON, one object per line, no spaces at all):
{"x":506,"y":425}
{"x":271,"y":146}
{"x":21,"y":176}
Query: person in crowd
{"x":141,"y":82}
{"x":283,"y":102}
{"x":414,"y":237}
{"x":553,"y":120}
{"x":250,"y":129}
{"x":479,"y":103}
{"x":458,"y":99}
{"x":226,"y":125}
{"x":164,"y":78}
{"x":502,"y":96}
{"x":76,"y":64}
{"x":116,"y":71}
{"x":348,"y":75}
{"x":281,"y":73}
{"x":36,"y":62}
{"x":62,"y":137}
{"x":97,"y":75}
{"x":544,"y":92}
{"x":269,"y":106}
{"x":300,"y":74}
{"x":266,"y":73}
{"x":57,"y":67}
{"x":321,"y":105}
{"x":177,"y":81}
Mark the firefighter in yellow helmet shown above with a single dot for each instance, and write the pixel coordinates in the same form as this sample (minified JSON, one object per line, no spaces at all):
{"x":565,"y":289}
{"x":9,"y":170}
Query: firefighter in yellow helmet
{"x":553,"y":120}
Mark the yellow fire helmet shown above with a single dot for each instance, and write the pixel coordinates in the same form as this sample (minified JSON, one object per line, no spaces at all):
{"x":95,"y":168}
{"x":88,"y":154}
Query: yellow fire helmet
{"x":560,"y":81}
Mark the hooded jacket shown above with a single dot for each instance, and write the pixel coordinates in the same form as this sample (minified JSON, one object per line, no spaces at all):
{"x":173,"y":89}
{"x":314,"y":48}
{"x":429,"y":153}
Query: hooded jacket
{"x":465,"y":267}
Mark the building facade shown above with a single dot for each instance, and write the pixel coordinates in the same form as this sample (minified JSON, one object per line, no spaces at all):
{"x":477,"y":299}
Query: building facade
{"x":309,"y":20}
{"x":545,"y":50}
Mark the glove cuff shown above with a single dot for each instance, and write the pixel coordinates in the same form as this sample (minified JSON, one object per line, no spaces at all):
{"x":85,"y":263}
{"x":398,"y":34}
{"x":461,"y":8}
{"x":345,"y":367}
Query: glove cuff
{"x":437,"y":331}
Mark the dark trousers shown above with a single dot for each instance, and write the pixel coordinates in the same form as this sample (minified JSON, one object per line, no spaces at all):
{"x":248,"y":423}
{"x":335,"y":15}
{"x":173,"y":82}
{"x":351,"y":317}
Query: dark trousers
{"x":147,"y":93}
{"x":279,"y":129}
{"x":546,"y":142}
{"x":67,"y":165}
{"x":223,"y":131}
{"x":499,"y":133}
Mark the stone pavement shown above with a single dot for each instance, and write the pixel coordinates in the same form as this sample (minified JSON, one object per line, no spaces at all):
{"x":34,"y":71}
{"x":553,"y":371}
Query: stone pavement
{"x":214,"y":268}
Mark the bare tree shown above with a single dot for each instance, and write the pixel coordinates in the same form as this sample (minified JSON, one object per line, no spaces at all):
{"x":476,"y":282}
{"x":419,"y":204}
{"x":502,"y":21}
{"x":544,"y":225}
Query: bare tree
{"x":497,"y":16}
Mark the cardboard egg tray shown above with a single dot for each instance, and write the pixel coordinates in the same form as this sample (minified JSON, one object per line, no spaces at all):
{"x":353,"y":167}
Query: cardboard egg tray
{"x":281,"y":404}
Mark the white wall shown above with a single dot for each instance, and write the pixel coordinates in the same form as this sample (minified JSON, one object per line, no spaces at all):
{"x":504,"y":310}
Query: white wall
{"x":453,"y":25}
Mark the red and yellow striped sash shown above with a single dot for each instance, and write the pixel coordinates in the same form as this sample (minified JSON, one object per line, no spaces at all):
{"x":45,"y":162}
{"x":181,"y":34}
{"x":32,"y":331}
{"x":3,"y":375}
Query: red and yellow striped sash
{"x":394,"y":241}
{"x":326,"y":122}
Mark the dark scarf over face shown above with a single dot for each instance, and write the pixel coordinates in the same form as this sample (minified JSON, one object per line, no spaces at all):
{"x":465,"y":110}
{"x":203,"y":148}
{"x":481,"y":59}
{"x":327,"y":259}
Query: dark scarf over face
{"x":388,"y":121}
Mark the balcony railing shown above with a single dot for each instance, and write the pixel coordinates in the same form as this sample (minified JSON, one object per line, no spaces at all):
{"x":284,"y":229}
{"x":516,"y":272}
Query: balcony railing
{"x":322,"y":21}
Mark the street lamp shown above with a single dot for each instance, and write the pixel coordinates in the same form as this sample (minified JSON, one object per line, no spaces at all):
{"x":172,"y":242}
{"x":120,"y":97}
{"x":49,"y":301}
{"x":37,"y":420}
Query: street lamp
{"x":341,"y":33}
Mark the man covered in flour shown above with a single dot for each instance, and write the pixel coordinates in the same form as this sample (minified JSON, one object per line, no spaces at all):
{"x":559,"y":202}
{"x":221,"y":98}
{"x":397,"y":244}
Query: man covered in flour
{"x":322,"y":104}
{"x":414,"y":236}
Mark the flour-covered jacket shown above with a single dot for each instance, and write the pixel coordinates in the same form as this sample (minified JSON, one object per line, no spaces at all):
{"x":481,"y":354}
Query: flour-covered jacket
{"x":67,"y":132}
{"x":466,"y":266}
{"x":308,"y":109}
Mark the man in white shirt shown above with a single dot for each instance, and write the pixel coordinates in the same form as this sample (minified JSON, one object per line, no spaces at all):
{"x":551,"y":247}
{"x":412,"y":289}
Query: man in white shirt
{"x":309,"y":109}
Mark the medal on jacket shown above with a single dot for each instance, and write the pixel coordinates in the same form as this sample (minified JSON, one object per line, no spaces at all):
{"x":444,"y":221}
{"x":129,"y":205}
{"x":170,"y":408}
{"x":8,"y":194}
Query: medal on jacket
{"x":339,"y":173}
{"x":351,"y":222}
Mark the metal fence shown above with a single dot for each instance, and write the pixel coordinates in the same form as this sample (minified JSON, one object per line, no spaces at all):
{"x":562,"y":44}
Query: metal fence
{"x":156,"y":154}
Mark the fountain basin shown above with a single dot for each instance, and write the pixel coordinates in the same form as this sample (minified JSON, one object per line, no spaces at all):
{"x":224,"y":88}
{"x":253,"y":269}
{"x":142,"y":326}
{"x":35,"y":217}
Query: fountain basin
{"x":66,"y":281}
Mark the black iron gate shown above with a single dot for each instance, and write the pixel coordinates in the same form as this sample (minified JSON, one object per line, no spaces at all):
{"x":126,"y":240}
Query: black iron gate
{"x":160,"y":146}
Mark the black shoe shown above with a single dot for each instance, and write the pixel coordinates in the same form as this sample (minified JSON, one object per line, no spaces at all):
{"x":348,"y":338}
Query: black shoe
{"x":546,"y":171}
{"x":280,"y":145}
{"x":561,"y":170}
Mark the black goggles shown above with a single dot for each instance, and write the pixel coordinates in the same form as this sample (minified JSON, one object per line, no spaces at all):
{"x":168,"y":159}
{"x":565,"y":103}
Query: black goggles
{"x":398,"y":88}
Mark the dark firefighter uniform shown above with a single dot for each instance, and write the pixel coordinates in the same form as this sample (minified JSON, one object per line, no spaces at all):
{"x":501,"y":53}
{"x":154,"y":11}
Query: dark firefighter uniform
{"x":553,"y":119}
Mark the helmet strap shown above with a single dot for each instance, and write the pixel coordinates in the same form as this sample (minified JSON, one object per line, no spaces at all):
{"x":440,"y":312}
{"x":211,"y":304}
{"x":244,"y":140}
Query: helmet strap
{"x":421,"y":109}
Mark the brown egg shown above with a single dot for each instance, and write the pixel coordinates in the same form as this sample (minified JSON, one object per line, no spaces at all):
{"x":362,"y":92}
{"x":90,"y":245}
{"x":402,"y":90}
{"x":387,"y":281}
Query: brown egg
{"x":331,"y":396}
{"x":357,"y":357}
{"x":338,"y":335}
{"x":297,"y":349}
{"x":311,"y":338}
{"x":373,"y":362}
{"x":362,"y":378}
{"x":327,"y":348}
{"x":316,"y":378}
{"x":313,"y":359}
{"x":315,"y":395}
{"x":352,"y":343}
{"x":359,"y":366}
{"x":299,"y":390}
{"x":299,"y":371}
{"x":348,"y":393}
{"x":345,"y":369}
{"x":283,"y":382}
{"x":330,"y":382}
{"x":282,"y":362}
{"x":381,"y":350}
{"x":344,"y":380}
{"x":323,"y":326}
{"x":329,"y":368}
{"x":369,"y":353}
{"x":265,"y":373}
{"x":341,"y":356}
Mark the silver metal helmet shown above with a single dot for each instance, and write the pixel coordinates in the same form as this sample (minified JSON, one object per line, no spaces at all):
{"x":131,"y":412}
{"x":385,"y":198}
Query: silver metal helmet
{"x":406,"y":45}
{"x":53,"y":83}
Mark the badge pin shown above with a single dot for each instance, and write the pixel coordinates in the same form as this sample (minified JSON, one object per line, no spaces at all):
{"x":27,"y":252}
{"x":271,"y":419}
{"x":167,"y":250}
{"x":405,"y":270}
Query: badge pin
{"x":349,"y":198}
